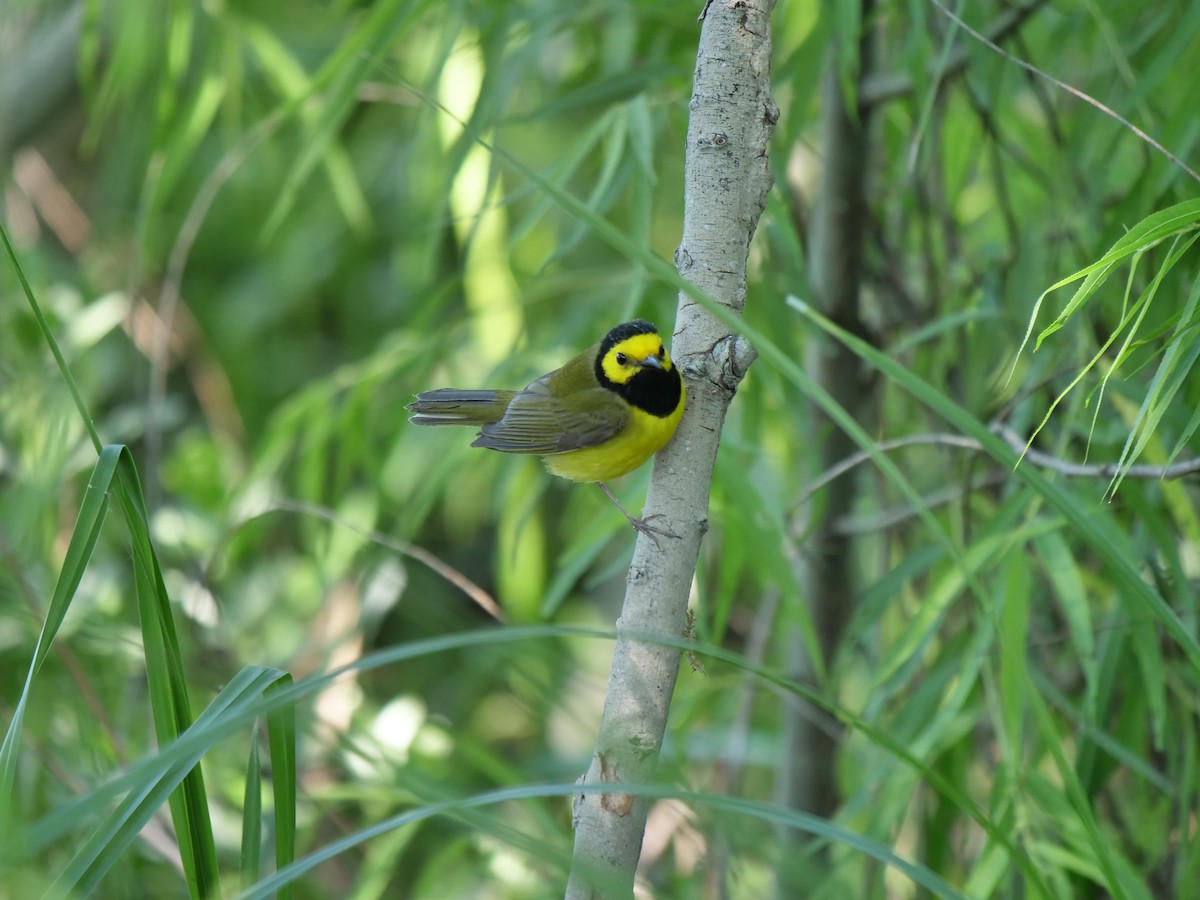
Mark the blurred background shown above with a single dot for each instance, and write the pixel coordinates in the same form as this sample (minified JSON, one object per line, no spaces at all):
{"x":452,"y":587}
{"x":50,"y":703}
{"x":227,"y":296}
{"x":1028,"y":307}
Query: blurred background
{"x":257,"y":229}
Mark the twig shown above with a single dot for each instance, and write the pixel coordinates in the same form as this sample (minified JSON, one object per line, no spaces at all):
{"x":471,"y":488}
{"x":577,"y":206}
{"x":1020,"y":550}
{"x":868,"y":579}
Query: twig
{"x":481,"y":597}
{"x":890,"y":517}
{"x":1038,"y":458}
{"x":856,"y":459}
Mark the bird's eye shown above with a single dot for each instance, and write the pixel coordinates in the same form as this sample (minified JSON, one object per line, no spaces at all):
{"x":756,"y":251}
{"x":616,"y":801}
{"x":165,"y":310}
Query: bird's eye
{"x":662,"y":351}
{"x":622,"y":359}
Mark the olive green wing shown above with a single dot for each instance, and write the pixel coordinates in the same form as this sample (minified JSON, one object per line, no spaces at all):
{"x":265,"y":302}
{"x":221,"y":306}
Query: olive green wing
{"x":539,"y":422}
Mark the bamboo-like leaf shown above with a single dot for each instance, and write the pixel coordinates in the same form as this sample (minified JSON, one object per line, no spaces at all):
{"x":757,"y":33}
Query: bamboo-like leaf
{"x":281,"y":737}
{"x":1168,"y":379}
{"x":1062,"y":570}
{"x":1189,"y":795}
{"x":114,"y":834}
{"x":730,"y":806}
{"x":907,"y":649}
{"x":607,"y":186}
{"x":90,"y":521}
{"x":1132,"y":317}
{"x":252,"y":820}
{"x":1111,"y":746}
{"x":1086,"y":519}
{"x":566,"y":165}
{"x":245,"y":698}
{"x":1013,"y":630}
{"x":1151,"y":230}
{"x":343,"y":72}
{"x":1104,"y":856}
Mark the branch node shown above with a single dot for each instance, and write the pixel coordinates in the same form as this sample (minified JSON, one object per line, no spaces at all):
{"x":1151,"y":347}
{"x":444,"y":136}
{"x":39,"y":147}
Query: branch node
{"x":732,"y":357}
{"x":770,"y":113}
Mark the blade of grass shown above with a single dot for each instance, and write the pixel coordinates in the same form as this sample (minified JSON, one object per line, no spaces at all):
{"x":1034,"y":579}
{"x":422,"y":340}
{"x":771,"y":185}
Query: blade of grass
{"x":164,"y":665}
{"x":48,"y":335}
{"x":114,"y":834}
{"x":168,"y":688}
{"x":90,"y":521}
{"x":281,"y":737}
{"x":767,"y":812}
{"x":240,"y":711}
{"x":252,"y":822}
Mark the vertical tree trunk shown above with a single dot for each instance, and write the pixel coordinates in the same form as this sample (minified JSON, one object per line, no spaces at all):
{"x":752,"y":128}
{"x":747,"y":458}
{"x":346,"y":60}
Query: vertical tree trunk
{"x":727,"y":179}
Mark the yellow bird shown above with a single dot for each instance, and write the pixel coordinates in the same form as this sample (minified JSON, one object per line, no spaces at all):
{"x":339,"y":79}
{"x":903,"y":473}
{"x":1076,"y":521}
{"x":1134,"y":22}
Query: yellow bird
{"x":598,"y":417}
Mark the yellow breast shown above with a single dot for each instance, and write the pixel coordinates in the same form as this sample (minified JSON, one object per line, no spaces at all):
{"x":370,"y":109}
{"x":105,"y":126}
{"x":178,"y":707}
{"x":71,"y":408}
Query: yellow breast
{"x":642,"y":437}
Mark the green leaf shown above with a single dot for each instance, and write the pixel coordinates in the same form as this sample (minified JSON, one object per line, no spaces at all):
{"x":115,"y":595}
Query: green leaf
{"x":120,"y":827}
{"x":252,"y":820}
{"x":1151,"y":230}
{"x":88,"y":524}
{"x":1013,"y":630}
{"x":340,"y":79}
{"x":281,"y":737}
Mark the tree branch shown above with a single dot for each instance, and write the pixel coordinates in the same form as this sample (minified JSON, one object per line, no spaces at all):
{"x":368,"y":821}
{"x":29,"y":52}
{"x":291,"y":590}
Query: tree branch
{"x":727,"y":178}
{"x":1038,"y":458}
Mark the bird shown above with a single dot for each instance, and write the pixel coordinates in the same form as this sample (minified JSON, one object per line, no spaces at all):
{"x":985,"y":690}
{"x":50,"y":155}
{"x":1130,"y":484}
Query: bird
{"x":598,"y":417}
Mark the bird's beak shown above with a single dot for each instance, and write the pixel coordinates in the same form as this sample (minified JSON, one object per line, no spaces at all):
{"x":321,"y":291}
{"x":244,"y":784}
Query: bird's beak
{"x":653,"y":361}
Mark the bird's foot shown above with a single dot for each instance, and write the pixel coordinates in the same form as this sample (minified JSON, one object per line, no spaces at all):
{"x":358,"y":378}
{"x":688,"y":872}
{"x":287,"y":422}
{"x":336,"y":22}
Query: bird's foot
{"x":640,"y":525}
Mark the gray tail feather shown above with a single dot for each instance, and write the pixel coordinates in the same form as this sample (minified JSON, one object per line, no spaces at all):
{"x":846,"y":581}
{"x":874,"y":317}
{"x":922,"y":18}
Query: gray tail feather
{"x":451,"y":406}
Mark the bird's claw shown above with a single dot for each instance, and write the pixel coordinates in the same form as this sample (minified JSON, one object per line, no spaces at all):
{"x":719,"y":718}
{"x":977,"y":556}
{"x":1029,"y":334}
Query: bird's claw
{"x":644,"y":526}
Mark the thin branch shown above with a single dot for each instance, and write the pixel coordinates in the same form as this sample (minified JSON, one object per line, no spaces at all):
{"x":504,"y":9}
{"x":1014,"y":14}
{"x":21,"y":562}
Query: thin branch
{"x":861,"y":456}
{"x":890,"y":517}
{"x":1038,"y":458}
{"x":482,"y":598}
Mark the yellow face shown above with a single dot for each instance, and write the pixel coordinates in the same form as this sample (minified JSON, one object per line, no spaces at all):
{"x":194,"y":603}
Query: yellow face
{"x":633,"y":354}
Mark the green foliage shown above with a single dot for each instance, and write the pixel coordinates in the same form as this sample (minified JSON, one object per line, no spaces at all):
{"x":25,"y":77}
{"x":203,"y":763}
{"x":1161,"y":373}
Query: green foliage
{"x":273,"y":223}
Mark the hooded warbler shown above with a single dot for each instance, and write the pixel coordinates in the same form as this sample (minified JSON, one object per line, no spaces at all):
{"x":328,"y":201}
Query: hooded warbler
{"x":600,"y":416}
